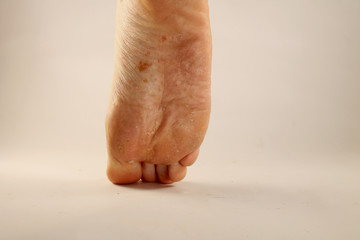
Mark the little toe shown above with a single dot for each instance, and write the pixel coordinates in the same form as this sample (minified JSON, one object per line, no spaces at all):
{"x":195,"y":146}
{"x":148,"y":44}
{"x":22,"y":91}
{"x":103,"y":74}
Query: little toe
{"x":177,"y":172}
{"x":123,"y":172}
{"x":189,"y":159}
{"x":148,"y":172}
{"x":163,"y":174}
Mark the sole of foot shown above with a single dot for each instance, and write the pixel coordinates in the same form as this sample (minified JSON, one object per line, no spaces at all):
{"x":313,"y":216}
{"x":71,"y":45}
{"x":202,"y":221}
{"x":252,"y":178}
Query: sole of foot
{"x":159,"y":104}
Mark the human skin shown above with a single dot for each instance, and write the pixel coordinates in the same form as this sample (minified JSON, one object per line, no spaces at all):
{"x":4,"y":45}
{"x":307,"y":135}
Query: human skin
{"x":159,"y":104}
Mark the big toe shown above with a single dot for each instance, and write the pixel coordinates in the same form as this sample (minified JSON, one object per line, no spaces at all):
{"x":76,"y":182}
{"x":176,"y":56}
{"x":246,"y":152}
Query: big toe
{"x":123,"y":172}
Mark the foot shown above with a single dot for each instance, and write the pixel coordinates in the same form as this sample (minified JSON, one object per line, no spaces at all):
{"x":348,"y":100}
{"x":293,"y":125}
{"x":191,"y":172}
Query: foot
{"x":159,"y":104}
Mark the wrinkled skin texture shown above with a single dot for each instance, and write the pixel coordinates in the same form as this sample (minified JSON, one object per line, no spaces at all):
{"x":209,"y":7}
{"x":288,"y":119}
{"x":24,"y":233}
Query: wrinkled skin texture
{"x":159,"y":103}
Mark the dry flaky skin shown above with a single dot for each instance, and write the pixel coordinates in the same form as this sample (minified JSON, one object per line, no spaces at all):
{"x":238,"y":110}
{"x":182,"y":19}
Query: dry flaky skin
{"x":160,"y":99}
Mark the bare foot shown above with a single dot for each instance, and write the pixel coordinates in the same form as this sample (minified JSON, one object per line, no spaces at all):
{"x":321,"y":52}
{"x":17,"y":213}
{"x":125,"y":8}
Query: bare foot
{"x":159,"y":104}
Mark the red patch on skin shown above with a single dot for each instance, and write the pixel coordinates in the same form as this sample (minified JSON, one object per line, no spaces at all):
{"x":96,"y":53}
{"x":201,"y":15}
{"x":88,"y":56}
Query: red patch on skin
{"x":145,"y":80}
{"x":163,"y":38}
{"x":143,"y":66}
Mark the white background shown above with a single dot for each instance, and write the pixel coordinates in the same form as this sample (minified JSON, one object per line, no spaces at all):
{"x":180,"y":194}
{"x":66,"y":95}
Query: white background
{"x":281,"y":159}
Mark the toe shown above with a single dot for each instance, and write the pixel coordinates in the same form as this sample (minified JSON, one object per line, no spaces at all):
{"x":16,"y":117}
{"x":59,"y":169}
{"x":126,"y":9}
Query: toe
{"x":123,"y":172}
{"x":148,"y":172}
{"x":189,"y":159}
{"x":162,"y":174}
{"x":177,"y":172}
